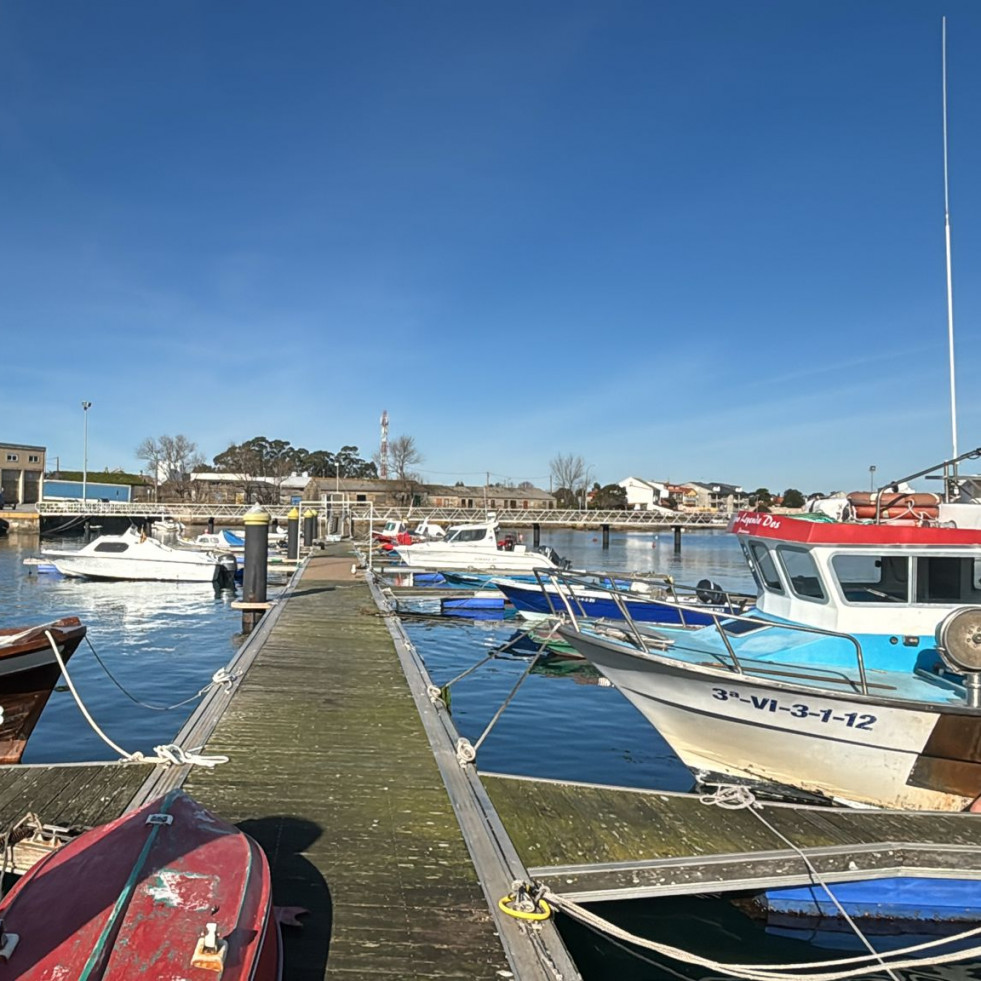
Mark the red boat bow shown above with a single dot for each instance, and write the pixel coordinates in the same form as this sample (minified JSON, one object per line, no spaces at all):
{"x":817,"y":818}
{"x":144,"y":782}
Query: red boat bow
{"x":137,"y":898}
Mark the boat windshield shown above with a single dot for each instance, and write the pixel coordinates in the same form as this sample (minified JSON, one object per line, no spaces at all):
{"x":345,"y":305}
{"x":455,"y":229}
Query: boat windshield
{"x":949,"y":580}
{"x":762,"y":564}
{"x":111,"y":547}
{"x":467,"y":535}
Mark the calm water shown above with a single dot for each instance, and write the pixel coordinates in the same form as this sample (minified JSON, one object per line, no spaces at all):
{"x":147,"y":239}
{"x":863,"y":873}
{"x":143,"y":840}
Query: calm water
{"x":570,"y":727}
{"x":161,"y":641}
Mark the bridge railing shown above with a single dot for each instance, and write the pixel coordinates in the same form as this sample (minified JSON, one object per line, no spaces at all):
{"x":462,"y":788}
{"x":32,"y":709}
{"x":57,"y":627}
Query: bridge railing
{"x":364,"y":511}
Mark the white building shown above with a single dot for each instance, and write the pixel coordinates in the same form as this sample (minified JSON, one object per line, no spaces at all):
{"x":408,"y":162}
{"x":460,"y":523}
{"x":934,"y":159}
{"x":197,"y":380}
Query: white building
{"x":644,"y":495}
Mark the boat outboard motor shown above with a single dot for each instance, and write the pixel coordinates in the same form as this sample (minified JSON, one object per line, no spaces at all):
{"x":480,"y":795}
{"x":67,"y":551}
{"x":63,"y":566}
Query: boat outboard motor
{"x":959,"y":644}
{"x":227,"y":567}
{"x":710,"y":592}
{"x":553,"y":556}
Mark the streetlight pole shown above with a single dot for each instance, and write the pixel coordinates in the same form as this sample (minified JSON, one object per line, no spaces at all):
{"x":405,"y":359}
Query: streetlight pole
{"x":872,"y":478}
{"x":85,"y":449}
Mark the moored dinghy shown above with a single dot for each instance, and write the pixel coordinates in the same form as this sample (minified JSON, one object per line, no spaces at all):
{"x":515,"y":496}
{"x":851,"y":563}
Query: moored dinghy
{"x":167,"y":891}
{"x":29,"y":671}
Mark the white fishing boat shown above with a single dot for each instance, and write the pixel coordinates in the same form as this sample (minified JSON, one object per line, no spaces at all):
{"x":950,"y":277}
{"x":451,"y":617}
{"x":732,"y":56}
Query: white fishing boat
{"x":856,"y":677}
{"x":478,"y":546}
{"x":135,"y":556}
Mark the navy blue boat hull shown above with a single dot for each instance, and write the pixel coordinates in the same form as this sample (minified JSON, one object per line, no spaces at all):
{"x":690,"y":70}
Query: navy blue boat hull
{"x":605,"y":607}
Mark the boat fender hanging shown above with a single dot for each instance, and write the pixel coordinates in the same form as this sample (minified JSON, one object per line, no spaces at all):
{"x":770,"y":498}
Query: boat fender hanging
{"x":710,"y":592}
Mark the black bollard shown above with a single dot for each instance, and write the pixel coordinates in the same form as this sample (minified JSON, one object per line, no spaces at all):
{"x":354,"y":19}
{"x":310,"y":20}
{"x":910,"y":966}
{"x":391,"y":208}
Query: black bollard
{"x":211,"y":525}
{"x":536,"y":534}
{"x":309,"y":527}
{"x":256,"y":566}
{"x":677,"y":539}
{"x":293,"y":534}
{"x":606,"y":536}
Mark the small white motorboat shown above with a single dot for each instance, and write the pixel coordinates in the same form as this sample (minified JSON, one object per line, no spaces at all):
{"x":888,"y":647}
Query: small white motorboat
{"x":478,"y":546}
{"x":135,"y":556}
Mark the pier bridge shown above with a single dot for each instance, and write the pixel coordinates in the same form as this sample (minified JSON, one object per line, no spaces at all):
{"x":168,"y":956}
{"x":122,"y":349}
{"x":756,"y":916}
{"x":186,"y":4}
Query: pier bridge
{"x":340,"y":512}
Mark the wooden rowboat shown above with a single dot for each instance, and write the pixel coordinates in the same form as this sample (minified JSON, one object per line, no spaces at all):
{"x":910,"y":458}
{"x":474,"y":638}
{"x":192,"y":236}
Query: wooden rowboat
{"x":28,"y":672}
{"x":167,"y":891}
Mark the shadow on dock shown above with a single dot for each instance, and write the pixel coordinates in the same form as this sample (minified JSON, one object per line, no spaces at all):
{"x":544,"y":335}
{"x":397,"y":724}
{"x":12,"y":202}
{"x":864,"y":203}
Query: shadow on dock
{"x":297,"y":883}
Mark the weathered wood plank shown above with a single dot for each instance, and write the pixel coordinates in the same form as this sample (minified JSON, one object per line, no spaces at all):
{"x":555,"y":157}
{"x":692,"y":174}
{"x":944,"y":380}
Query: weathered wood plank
{"x":331,"y":771}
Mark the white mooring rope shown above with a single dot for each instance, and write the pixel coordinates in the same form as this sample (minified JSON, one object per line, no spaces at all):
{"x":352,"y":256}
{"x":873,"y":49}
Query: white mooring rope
{"x":170,"y":753}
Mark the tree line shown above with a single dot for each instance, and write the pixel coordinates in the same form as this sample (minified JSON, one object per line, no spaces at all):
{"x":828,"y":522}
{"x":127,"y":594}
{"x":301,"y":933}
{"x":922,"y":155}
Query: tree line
{"x":170,"y":460}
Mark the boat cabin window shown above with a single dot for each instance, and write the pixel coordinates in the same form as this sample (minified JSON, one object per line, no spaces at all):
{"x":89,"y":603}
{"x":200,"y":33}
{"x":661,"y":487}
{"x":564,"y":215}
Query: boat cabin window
{"x":872,"y":578}
{"x":802,"y":572}
{"x":762,"y":561}
{"x":468,"y":535}
{"x":111,"y":547}
{"x":948,"y":579}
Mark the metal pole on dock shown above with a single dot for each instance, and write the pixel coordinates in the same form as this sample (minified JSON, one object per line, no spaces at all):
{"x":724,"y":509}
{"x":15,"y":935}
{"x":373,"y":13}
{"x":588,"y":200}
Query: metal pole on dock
{"x":536,"y":534}
{"x":606,"y":536}
{"x":293,"y":534}
{"x":254,"y":603}
{"x":677,"y":539}
{"x":309,"y":527}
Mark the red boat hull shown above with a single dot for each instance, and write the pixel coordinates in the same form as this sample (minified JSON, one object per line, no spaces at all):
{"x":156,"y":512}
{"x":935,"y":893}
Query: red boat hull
{"x":131,"y":899}
{"x":28,"y":672}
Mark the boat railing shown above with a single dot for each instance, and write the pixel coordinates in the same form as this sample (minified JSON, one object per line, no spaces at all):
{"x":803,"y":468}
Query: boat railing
{"x":644,"y":640}
{"x":560,"y":588}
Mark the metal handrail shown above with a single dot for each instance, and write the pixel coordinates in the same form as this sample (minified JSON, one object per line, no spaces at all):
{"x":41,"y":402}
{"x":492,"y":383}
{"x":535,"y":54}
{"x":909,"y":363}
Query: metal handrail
{"x":718,"y":619}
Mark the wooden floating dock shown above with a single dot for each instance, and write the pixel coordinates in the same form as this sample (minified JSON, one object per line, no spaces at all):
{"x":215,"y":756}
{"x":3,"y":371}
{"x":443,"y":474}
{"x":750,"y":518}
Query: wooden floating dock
{"x":590,"y":842}
{"x":333,"y":770}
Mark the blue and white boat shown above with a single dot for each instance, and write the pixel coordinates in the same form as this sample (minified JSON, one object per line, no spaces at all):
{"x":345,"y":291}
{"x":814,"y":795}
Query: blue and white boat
{"x":857,"y":676}
{"x":600,"y":597}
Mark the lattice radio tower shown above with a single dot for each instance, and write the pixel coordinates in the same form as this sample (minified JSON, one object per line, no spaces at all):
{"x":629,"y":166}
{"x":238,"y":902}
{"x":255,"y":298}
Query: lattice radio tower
{"x":383,"y":449}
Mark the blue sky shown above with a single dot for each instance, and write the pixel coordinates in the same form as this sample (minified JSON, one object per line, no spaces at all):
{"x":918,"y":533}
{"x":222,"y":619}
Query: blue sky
{"x":684,"y":240}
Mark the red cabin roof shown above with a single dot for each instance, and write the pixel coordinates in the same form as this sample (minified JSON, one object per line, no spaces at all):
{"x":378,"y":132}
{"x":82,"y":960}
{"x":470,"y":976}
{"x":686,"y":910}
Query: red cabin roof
{"x":781,"y":527}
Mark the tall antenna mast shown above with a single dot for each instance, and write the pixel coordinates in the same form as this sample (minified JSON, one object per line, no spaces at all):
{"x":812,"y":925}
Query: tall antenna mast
{"x":383,"y":449}
{"x":950,"y":288}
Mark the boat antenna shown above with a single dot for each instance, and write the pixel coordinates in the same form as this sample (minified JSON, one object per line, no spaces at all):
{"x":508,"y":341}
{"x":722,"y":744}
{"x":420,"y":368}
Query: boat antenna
{"x":950,"y":289}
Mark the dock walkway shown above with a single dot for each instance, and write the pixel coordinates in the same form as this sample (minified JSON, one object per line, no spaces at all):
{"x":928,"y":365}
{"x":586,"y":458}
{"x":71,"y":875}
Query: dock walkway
{"x":332,"y":772}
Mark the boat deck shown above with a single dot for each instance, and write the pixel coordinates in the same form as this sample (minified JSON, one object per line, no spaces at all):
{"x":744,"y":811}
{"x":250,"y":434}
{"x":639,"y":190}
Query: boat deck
{"x":590,"y":842}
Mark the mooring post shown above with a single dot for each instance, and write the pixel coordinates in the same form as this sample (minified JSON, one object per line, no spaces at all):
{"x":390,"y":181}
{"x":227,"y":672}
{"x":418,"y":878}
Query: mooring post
{"x":293,"y":534}
{"x":309,"y":527}
{"x":606,"y":536}
{"x":256,"y":567}
{"x":211,"y":525}
{"x":536,"y":534}
{"x":677,"y":539}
